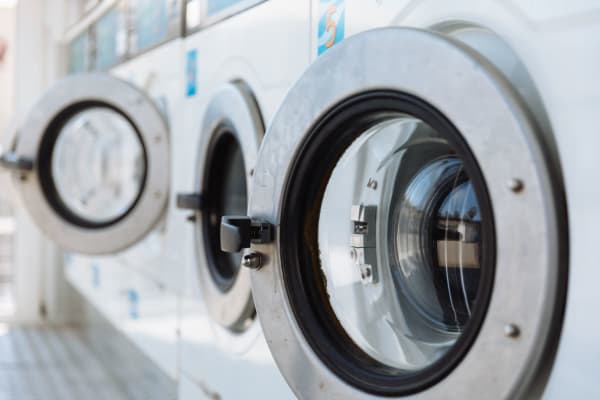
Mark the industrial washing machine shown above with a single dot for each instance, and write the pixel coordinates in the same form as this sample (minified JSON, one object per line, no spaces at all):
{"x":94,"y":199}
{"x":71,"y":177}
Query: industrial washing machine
{"x":421,"y":213}
{"x":239,"y":68}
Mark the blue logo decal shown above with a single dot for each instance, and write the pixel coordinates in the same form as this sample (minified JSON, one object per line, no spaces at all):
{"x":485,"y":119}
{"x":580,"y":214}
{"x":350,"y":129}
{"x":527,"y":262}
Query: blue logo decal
{"x":134,"y":299}
{"x":95,"y":276}
{"x":331,"y":24}
{"x":191,"y":73}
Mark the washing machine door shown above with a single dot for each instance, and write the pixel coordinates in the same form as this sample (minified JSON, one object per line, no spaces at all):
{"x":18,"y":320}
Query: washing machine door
{"x":404,"y":227}
{"x":232,"y":130}
{"x":91,"y":161}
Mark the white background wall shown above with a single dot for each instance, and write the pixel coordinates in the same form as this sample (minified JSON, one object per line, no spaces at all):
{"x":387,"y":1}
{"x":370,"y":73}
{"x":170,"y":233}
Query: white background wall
{"x":35,"y":61}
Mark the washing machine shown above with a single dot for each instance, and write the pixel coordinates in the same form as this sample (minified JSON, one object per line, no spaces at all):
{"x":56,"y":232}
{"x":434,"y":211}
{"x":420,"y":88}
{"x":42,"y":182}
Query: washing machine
{"x":94,"y":162}
{"x":240,"y":63}
{"x":422,"y":213}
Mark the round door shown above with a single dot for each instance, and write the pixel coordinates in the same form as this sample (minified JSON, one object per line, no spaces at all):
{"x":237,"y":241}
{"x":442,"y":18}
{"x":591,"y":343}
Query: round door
{"x":91,"y":162}
{"x":232,"y":130}
{"x":405,"y":226}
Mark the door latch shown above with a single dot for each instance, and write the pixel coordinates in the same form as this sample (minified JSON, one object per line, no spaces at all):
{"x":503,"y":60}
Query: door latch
{"x":364,"y":242}
{"x":190,"y":201}
{"x":13,"y":161}
{"x":237,"y":233}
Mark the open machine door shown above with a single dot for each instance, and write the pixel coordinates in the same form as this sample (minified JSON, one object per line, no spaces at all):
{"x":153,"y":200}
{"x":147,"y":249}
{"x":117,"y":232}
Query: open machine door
{"x":232,"y":130}
{"x":405,"y":226}
{"x":91,"y":161}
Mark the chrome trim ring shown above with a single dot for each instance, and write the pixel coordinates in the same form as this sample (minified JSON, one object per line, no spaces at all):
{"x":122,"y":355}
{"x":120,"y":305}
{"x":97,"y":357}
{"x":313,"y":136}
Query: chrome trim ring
{"x":153,"y":132}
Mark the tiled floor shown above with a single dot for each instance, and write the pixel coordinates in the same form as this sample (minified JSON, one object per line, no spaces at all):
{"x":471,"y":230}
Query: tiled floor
{"x":53,"y":364}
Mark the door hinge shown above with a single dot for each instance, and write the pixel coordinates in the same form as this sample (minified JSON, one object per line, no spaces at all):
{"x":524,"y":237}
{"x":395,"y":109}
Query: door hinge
{"x":237,"y":233}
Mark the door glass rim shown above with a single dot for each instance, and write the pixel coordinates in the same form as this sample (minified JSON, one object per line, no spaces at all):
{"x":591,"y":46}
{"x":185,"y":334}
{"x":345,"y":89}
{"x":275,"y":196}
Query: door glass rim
{"x":318,"y":326}
{"x":45,"y":158}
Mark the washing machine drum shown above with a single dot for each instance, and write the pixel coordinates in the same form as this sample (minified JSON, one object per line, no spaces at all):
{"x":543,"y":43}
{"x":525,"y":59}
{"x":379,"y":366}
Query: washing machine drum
{"x":406,"y":211}
{"x":416,"y":248}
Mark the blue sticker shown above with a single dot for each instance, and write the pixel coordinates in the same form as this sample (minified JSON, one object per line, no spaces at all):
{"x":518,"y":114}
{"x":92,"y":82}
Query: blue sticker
{"x":95,"y":276}
{"x":191,"y":73}
{"x":134,"y":299}
{"x":331,"y":24}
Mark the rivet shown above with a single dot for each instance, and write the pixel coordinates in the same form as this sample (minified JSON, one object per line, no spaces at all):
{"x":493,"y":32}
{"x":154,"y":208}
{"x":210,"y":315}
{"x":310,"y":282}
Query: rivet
{"x":252,"y":260}
{"x":372,"y":184}
{"x":353,"y":254}
{"x":157,"y":139}
{"x":511,"y":331}
{"x":516,"y":185}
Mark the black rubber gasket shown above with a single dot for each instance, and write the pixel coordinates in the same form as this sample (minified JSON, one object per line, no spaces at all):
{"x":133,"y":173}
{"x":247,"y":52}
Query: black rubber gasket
{"x":223,"y":266}
{"x":304,"y":281}
{"x":46,"y":153}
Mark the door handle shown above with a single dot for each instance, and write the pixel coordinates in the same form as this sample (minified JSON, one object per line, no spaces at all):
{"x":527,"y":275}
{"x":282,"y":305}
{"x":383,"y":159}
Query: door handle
{"x":190,"y":201}
{"x":13,"y":161}
{"x":238,"y":232}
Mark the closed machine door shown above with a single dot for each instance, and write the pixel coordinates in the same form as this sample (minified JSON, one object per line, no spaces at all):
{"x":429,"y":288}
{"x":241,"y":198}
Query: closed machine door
{"x":232,"y":129}
{"x":405,"y":226}
{"x":91,"y":161}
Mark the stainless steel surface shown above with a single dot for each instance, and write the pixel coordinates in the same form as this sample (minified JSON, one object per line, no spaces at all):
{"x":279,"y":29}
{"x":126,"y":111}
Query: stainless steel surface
{"x":480,"y":101}
{"x":89,"y":90}
{"x":234,"y":104}
{"x":252,"y":260}
{"x":363,"y":250}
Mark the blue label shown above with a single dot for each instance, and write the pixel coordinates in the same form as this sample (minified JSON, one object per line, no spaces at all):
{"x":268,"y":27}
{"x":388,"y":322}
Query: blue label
{"x":134,"y":299}
{"x":331,"y":24}
{"x":95,"y":276}
{"x":191,"y":73}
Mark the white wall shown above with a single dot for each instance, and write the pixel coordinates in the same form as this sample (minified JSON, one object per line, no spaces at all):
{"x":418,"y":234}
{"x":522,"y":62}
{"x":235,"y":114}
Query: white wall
{"x":39,"y":62}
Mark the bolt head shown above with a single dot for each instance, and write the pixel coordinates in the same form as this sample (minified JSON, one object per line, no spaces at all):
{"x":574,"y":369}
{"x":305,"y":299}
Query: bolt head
{"x":252,"y":260}
{"x":372,"y":184}
{"x":516,"y":185}
{"x":512,"y":331}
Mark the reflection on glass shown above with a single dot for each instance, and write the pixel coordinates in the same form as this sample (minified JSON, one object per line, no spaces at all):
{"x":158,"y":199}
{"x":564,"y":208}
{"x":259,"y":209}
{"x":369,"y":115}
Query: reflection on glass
{"x":98,"y":165}
{"x":400,"y":244}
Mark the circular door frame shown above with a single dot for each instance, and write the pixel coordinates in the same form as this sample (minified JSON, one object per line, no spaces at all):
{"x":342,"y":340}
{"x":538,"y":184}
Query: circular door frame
{"x":59,"y":103}
{"x":528,"y":289}
{"x":233,"y":108}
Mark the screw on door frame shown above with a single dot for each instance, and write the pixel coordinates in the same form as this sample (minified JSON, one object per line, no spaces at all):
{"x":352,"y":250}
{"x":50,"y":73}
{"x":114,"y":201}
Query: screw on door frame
{"x":252,"y":260}
{"x":516,"y":185}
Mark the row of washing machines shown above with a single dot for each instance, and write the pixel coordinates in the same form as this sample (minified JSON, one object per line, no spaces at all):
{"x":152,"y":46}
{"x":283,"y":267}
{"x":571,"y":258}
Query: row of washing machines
{"x":339,"y":199}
